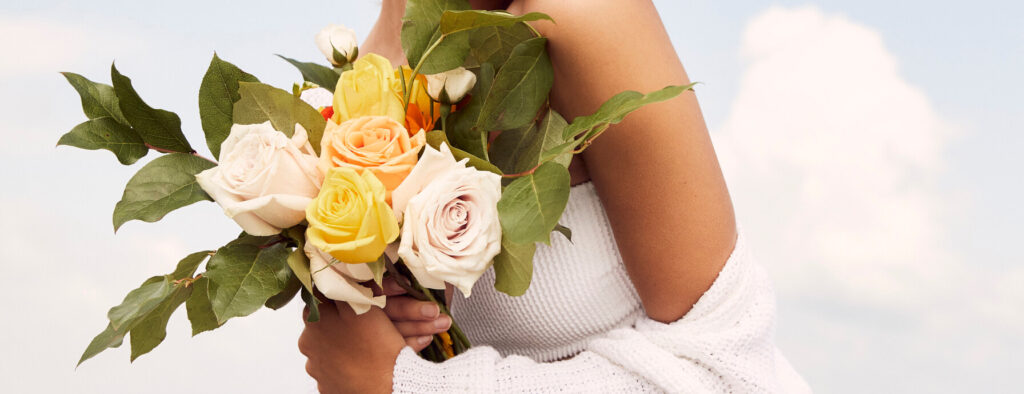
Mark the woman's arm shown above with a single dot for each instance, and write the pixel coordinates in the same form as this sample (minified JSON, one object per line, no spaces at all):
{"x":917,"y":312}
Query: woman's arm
{"x":656,"y":172}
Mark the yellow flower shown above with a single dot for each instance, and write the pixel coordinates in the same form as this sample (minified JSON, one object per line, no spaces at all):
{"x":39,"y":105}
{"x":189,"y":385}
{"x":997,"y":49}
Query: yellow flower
{"x":417,"y":116}
{"x":368,"y":90}
{"x":349,"y":219}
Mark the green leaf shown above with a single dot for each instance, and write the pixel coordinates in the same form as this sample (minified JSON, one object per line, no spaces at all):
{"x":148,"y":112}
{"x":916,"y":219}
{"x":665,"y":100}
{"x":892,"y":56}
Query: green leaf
{"x":462,"y":130}
{"x":139,"y":302}
{"x":98,"y":100}
{"x":436,"y":137}
{"x":261,"y":102}
{"x":421,"y":30}
{"x":188,"y":265}
{"x":520,"y":87}
{"x":152,"y":329}
{"x":244,"y":277}
{"x":313,"y":304}
{"x":200,"y":311}
{"x":531,"y":205}
{"x":279,"y":300}
{"x":519,"y":150}
{"x":326,"y":77}
{"x":494,"y":44}
{"x":299,"y":264}
{"x":456,"y":21}
{"x":377,"y":268}
{"x":109,"y":338}
{"x":217,"y":95}
{"x":163,"y":185}
{"x":106,"y":133}
{"x":564,"y":231}
{"x":513,"y":267}
{"x":159,"y":128}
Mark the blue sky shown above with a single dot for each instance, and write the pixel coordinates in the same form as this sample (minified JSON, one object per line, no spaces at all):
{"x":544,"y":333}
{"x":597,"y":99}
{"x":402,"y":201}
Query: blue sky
{"x":871,"y":148}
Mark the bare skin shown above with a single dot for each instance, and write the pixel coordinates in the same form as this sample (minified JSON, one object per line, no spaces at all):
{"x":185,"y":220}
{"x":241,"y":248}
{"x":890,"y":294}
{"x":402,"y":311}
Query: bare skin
{"x":676,"y":241}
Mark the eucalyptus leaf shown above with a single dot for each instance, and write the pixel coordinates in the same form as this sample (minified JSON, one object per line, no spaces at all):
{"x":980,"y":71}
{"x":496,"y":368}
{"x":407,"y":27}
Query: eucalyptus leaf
{"x":163,"y":185}
{"x":326,"y":77}
{"x":520,"y":87}
{"x":421,"y":30}
{"x":199,"y":308}
{"x":513,"y":267}
{"x":217,"y":95}
{"x":107,"y":133}
{"x":456,"y":21}
{"x":98,"y":100}
{"x":531,"y":205}
{"x":462,"y":130}
{"x":244,"y":277}
{"x":152,"y":329}
{"x":159,"y":128}
{"x":261,"y":102}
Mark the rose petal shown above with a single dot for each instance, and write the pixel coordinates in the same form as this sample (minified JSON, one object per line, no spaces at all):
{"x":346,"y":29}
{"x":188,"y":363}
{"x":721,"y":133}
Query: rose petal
{"x":334,"y":284}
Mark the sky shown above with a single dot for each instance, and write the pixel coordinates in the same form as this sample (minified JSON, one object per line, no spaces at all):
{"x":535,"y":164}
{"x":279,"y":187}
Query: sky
{"x":871,"y":149}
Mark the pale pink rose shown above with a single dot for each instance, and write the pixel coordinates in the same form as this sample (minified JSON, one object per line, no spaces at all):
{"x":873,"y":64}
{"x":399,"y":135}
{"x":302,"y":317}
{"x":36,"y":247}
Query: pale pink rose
{"x":340,"y":281}
{"x":264,"y":179}
{"x":451,"y":231}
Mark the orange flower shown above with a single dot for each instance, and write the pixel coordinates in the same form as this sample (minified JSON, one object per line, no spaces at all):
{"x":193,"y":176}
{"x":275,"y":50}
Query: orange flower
{"x":376,"y":143}
{"x":417,"y":115}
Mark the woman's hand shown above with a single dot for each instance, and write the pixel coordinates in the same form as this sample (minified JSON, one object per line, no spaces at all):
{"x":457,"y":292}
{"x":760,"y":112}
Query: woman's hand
{"x":348,"y":353}
{"x":415,"y":320}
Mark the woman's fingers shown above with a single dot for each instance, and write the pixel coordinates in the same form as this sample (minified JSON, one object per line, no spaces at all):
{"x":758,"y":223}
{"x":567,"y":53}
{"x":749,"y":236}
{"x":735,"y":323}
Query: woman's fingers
{"x":419,"y":343}
{"x":411,"y":329}
{"x":404,"y":308}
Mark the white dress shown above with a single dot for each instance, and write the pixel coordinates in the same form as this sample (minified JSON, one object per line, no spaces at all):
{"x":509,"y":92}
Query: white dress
{"x":581,"y":328}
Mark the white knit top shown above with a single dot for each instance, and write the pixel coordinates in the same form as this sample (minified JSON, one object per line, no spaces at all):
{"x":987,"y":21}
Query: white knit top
{"x":582,"y":309}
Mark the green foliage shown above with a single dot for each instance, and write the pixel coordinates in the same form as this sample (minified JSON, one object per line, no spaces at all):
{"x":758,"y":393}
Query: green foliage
{"x":163,"y":185}
{"x":109,"y":338}
{"x":520,"y":150}
{"x":462,"y":130}
{"x":565,"y":231}
{"x":297,"y":259}
{"x":436,"y":137}
{"x":313,"y":304}
{"x":421,"y":32}
{"x":243,"y":276}
{"x":291,"y":288}
{"x":217,"y":94}
{"x":98,"y":100}
{"x":493,"y":44}
{"x":152,"y":329}
{"x":199,"y":308}
{"x":456,"y":21}
{"x":159,"y":128}
{"x":620,"y":105}
{"x":261,"y":102}
{"x":531,"y":205}
{"x":520,"y":87}
{"x":513,"y":267}
{"x":326,"y":77}
{"x":107,"y":133}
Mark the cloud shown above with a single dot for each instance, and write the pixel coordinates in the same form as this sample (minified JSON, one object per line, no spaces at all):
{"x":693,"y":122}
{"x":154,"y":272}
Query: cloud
{"x":831,"y":155}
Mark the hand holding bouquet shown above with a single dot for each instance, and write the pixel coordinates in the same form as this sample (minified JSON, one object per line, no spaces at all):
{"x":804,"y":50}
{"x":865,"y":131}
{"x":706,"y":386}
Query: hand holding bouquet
{"x":362,"y":171}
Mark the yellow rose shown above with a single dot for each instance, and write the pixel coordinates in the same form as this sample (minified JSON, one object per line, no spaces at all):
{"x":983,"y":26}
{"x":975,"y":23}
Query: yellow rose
{"x":375,"y":143}
{"x":367,"y":90}
{"x":417,"y":116}
{"x":349,"y":219}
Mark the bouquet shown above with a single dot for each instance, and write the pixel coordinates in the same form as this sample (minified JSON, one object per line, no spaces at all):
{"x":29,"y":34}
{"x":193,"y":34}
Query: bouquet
{"x":362,"y":170}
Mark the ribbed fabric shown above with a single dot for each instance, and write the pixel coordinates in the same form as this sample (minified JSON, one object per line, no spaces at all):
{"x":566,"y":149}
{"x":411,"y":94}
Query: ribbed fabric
{"x":582,"y":304}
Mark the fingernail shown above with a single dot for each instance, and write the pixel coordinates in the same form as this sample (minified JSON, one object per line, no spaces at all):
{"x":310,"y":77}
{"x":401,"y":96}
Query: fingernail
{"x":443,"y":322}
{"x":424,"y":340}
{"x":430,"y":310}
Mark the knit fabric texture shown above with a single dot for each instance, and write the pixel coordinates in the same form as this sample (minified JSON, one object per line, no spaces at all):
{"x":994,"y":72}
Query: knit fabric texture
{"x":581,"y":328}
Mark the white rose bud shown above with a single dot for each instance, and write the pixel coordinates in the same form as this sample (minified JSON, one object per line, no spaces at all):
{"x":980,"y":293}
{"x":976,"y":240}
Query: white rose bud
{"x":318,"y":98}
{"x":450,"y":86}
{"x":340,"y":281}
{"x":337,"y":38}
{"x":264,"y":180}
{"x":451,"y":231}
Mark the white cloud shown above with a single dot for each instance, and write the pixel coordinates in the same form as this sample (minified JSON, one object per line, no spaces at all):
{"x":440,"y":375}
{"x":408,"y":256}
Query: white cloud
{"x":830,"y":154}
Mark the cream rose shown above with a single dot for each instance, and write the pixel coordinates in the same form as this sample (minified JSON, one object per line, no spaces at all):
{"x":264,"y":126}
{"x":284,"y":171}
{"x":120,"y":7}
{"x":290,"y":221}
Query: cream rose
{"x":340,"y":38}
{"x":340,"y":281}
{"x":375,"y":143}
{"x":451,"y":231}
{"x":264,"y":179}
{"x":450,"y":86}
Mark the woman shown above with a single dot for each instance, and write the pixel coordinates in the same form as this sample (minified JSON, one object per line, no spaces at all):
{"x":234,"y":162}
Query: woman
{"x":629,"y":313}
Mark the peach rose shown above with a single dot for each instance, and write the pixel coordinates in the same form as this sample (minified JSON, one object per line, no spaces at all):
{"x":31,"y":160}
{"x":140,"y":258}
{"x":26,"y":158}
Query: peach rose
{"x":376,"y":143}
